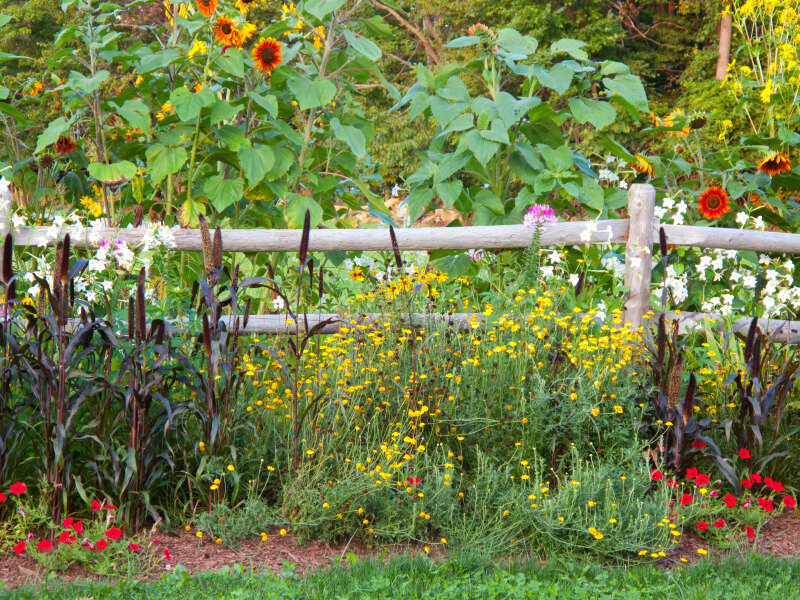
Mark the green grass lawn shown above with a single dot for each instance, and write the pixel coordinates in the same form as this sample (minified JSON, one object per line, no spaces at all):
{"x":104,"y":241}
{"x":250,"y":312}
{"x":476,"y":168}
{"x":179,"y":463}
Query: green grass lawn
{"x":464,"y":578}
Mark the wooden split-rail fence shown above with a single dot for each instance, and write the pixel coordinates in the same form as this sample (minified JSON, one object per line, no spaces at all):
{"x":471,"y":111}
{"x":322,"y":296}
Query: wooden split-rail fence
{"x":638,"y":232}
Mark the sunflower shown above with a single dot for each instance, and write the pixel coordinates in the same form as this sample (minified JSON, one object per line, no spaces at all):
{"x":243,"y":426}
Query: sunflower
{"x":64,"y":145}
{"x":713,"y":202}
{"x":207,"y":7}
{"x":244,"y":5}
{"x":775,"y":164}
{"x":267,"y":54}
{"x":244,"y":34}
{"x":669,"y":121}
{"x":225,"y":30}
{"x":644,"y":167}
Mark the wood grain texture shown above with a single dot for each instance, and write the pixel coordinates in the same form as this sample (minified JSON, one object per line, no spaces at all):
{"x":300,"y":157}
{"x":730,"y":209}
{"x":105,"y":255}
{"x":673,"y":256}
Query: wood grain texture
{"x":639,"y":251}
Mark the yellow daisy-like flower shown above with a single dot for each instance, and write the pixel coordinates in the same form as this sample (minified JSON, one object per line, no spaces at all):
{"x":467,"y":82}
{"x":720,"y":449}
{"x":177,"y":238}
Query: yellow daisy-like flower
{"x":618,"y":409}
{"x":319,"y":37}
{"x":198,"y":47}
{"x":244,"y":5}
{"x":226,"y":32}
{"x":643,"y":166}
{"x":92,"y":206}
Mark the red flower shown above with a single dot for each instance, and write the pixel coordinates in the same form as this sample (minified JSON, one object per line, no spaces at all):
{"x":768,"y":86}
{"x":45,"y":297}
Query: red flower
{"x":701,"y":479}
{"x":77,"y":527}
{"x":132,"y":546}
{"x":686,"y":499}
{"x":702,"y":526}
{"x":766,"y":504}
{"x":755,"y":478}
{"x":44,"y":545}
{"x":698,"y":444}
{"x":719,"y":524}
{"x":655,"y":474}
{"x":691,"y":473}
{"x":713,"y":202}
{"x":67,"y":523}
{"x":789,"y":501}
{"x":114,"y":533}
{"x":413,"y":480}
{"x":747,"y":483}
{"x":96,"y":506}
{"x":19,"y":548}
{"x":167,"y":555}
{"x":744,"y":453}
{"x":18,"y":488}
{"x":2,"y":497}
{"x":102,"y":544}
{"x":773,"y":485}
{"x":729,"y":500}
{"x":750,"y":533}
{"x":109,"y":507}
{"x":672,"y":483}
{"x":65,"y":538}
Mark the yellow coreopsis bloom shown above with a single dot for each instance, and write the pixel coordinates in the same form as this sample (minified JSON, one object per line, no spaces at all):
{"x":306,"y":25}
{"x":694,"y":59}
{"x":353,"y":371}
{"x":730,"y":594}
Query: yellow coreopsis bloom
{"x":319,"y":37}
{"x":766,"y":93}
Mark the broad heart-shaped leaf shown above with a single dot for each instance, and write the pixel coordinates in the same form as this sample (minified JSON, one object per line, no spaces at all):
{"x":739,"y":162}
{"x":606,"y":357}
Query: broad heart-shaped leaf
{"x":569,"y":46}
{"x":589,"y":193}
{"x":497,"y":133}
{"x":112,"y":172}
{"x":598,"y":113}
{"x":149,"y":61}
{"x":558,"y":78}
{"x":222,"y":110}
{"x":322,"y":8}
{"x":444,"y":111}
{"x":362,"y":45}
{"x":163,"y":161}
{"x":424,"y":76}
{"x":463,"y":41}
{"x":449,"y":191}
{"x":375,"y":201}
{"x":86,"y":85}
{"x":222,"y":193}
{"x":296,"y":207}
{"x":230,"y":62}
{"x":50,"y":135}
{"x":283,"y":161}
{"x":460,"y":123}
{"x":188,"y":104}
{"x":268,"y":102}
{"x":513,"y":41}
{"x":483,"y":150}
{"x":255,"y":162}
{"x":629,"y":88}
{"x":558,"y":160}
{"x":136,"y":114}
{"x":352,"y":136}
{"x":512,"y":110}
{"x":487,"y":199}
{"x":189,"y":213}
{"x":454,"y":89}
{"x":418,"y":200}
{"x":311,"y":93}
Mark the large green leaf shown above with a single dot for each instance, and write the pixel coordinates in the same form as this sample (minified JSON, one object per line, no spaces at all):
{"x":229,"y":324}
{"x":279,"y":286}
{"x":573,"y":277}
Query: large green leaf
{"x":50,"y":135}
{"x":512,"y":110}
{"x":483,"y":150}
{"x":231,"y":62}
{"x":149,"y":61}
{"x":444,"y":111}
{"x":558,"y":78}
{"x":497,"y":132}
{"x":311,"y":93}
{"x":268,"y":102}
{"x":222,"y":110}
{"x":86,"y":85}
{"x":424,"y":76}
{"x":513,"y":41}
{"x":350,"y":135}
{"x":112,"y":172}
{"x":418,"y":200}
{"x":629,"y":88}
{"x":375,"y":201}
{"x":188,"y":104}
{"x":363,"y":46}
{"x":256,"y":162}
{"x":575,"y":48}
{"x":163,"y":161}
{"x":598,"y":113}
{"x":190,"y":211}
{"x":283,"y":161}
{"x":449,"y":191}
{"x":223,"y":193}
{"x":296,"y":207}
{"x":136,"y":114}
{"x":320,"y":9}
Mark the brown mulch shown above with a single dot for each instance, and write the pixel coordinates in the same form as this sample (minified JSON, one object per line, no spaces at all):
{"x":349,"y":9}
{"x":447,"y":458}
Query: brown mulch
{"x":780,"y":536}
{"x":207,"y":556}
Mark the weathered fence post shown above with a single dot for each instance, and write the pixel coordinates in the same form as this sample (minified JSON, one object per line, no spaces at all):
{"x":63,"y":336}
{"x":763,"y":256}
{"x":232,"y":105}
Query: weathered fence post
{"x":639,"y":251}
{"x":5,"y":207}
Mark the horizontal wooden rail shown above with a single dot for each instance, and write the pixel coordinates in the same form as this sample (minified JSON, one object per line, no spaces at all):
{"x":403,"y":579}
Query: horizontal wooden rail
{"x":350,"y":240}
{"x":730,"y":239}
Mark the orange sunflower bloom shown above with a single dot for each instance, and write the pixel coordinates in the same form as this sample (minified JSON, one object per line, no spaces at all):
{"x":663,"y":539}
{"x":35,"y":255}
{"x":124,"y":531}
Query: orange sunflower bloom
{"x":244,"y":34}
{"x":225,"y":30}
{"x":267,"y":54}
{"x":713,"y":202}
{"x":643,"y":166}
{"x":65,"y":145}
{"x":244,"y":5}
{"x":207,"y":7}
{"x":775,"y":164}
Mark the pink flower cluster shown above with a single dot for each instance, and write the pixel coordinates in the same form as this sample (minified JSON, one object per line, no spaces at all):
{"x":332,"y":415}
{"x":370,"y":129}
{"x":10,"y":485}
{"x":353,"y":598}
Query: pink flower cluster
{"x":539,"y":215}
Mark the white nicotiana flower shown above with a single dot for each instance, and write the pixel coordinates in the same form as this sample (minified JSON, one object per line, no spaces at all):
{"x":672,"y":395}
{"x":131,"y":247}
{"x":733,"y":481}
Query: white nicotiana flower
{"x":763,"y":259}
{"x":574,"y":278}
{"x":554,"y":257}
{"x":741,"y":218}
{"x":668,"y":203}
{"x":681,"y":207}
{"x":586,"y":234}
{"x":18,"y":220}
{"x":758,"y":223}
{"x":749,"y":282}
{"x":623,"y":185}
{"x":278,"y":303}
{"x":547,"y":272}
{"x":788,"y":265}
{"x":735,"y":276}
{"x":660,"y":212}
